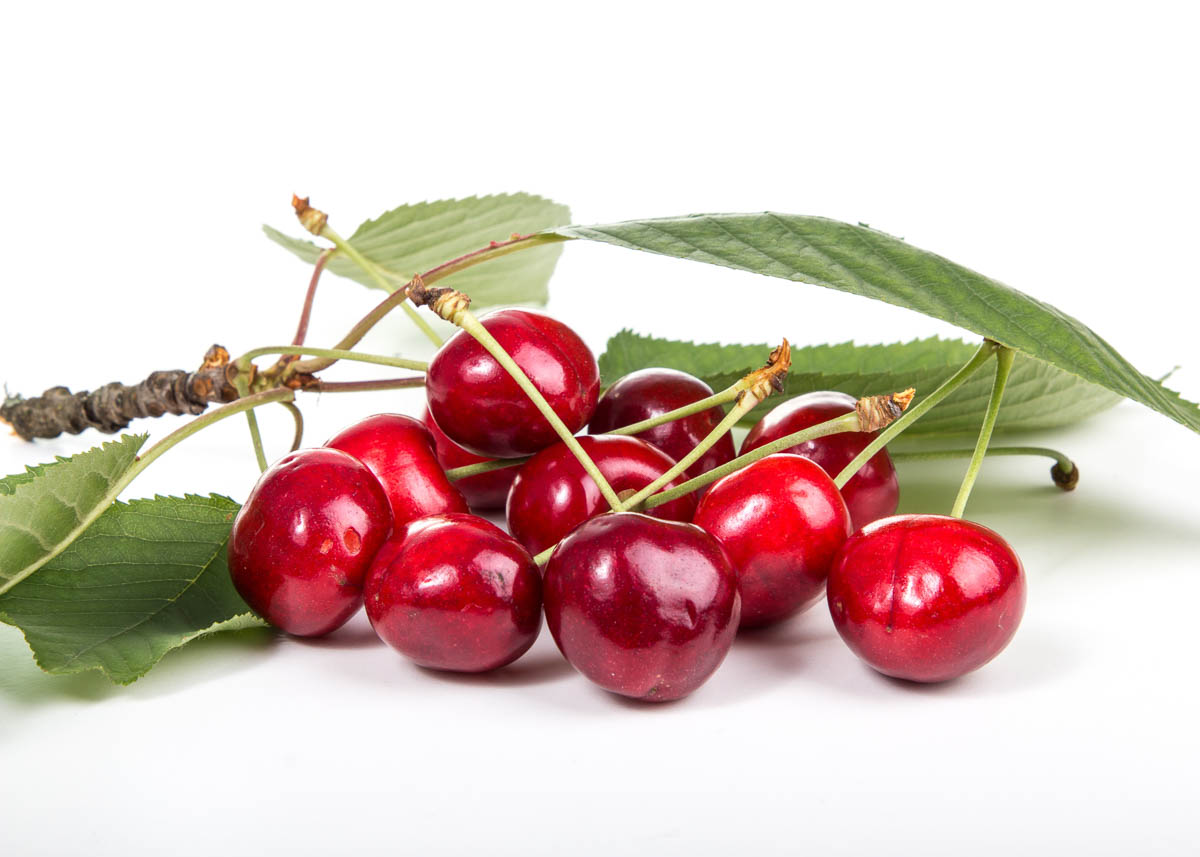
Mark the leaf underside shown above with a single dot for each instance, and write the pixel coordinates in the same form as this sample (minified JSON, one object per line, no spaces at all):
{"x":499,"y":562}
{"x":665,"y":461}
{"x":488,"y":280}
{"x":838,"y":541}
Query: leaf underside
{"x":146,"y":577}
{"x":415,"y":238}
{"x":44,"y":508}
{"x":864,"y":261}
{"x":1038,"y":396}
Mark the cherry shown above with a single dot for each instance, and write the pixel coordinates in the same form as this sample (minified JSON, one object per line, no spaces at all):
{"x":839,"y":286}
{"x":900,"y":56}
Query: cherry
{"x":482,"y":491}
{"x":643,"y":607}
{"x":926,"y":597}
{"x":874,"y":491}
{"x":649,"y":393}
{"x":302,"y":544}
{"x":455,"y":592}
{"x":480,"y":407}
{"x":399,"y":450}
{"x":782,"y":521}
{"x":552,"y":493}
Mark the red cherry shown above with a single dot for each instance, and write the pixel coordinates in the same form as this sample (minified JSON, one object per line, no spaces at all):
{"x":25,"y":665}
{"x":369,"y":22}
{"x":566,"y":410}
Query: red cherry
{"x":642,"y":607}
{"x":553,"y":494}
{"x":302,"y":544}
{"x":926,"y":597}
{"x":455,"y":592}
{"x":874,"y":492}
{"x":484,"y":491}
{"x":782,"y":521}
{"x":649,"y":393}
{"x":480,"y":407}
{"x":400,"y":452}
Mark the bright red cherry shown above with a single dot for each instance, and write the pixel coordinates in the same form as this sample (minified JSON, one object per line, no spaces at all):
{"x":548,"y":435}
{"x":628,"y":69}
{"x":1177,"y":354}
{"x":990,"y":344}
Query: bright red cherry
{"x":782,"y":521}
{"x":302,"y":544}
{"x":400,"y":452}
{"x":926,"y":597}
{"x":643,"y":607}
{"x":553,"y":494}
{"x":484,"y":491}
{"x":480,"y":407}
{"x":650,"y":393}
{"x":874,"y":492}
{"x":455,"y":592}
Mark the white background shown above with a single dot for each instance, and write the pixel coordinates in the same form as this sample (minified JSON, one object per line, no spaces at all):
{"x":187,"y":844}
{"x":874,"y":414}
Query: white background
{"x":1051,"y":146}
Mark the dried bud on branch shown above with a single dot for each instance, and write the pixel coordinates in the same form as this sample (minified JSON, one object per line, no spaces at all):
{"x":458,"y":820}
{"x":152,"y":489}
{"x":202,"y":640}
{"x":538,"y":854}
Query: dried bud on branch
{"x":310,"y":218}
{"x":876,"y":412}
{"x":1064,"y":479}
{"x":762,"y":382}
{"x":445,"y":302}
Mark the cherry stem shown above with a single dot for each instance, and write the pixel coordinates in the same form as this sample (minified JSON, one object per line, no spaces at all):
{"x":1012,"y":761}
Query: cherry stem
{"x":256,"y":440}
{"x":373,"y":271}
{"x":483,"y":467}
{"x":915,"y":412}
{"x":298,"y":418}
{"x":306,"y":312}
{"x":1064,"y":470}
{"x":1004,"y":362}
{"x":364,"y":386}
{"x":333,"y":355}
{"x":837,"y":425}
{"x":468,"y":322}
{"x":747,"y":403}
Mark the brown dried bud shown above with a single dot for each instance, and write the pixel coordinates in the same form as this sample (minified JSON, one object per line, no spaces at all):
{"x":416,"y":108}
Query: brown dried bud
{"x":1064,"y":479}
{"x":762,"y":382}
{"x":876,"y":412}
{"x":310,"y":218}
{"x":445,"y":302}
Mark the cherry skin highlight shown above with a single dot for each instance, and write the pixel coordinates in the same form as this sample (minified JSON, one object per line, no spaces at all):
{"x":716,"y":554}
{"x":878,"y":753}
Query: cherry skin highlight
{"x":650,"y":393}
{"x":926,"y":597}
{"x":782,"y":521}
{"x":643,"y":607}
{"x":873,"y":492}
{"x":553,"y":494}
{"x":455,"y":592}
{"x":482,"y":491}
{"x":399,"y":450}
{"x":480,"y":407}
{"x":302,"y":543}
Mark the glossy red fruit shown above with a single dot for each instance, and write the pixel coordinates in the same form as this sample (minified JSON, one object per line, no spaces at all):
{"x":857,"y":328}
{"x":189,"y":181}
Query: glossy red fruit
{"x":553,"y":494}
{"x":782,"y":521}
{"x":480,"y":407}
{"x":926,"y":597}
{"x":303,"y":541}
{"x":643,"y":607}
{"x":874,"y":492}
{"x":650,"y":393}
{"x":455,"y":592}
{"x":484,"y":491}
{"x":400,"y":452}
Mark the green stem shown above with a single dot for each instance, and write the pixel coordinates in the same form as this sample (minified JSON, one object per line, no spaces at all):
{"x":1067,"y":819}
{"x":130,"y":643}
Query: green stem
{"x":721,"y":398}
{"x":468,"y":322}
{"x":915,"y":412}
{"x":364,"y":386}
{"x":373,"y":271}
{"x":837,"y":425}
{"x":256,"y":439}
{"x":1064,"y":462}
{"x":1004,"y":362}
{"x":333,"y":355}
{"x":483,"y":467}
{"x":731,"y":419}
{"x":298,"y":419}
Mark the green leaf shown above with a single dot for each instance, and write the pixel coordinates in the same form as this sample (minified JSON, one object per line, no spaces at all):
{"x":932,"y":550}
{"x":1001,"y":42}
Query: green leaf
{"x":415,"y":238}
{"x":1039,"y":396}
{"x":145,"y":578}
{"x":867,"y":262}
{"x":44,"y":508}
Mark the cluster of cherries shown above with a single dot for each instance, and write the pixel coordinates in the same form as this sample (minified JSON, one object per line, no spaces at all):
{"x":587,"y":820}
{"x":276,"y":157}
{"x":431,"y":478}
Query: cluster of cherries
{"x":645,"y":605}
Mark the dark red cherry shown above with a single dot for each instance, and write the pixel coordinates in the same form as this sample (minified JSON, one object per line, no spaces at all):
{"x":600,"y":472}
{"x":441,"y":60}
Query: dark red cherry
{"x":650,"y":393}
{"x":455,"y":592}
{"x":400,"y":452}
{"x":302,"y":544}
{"x":643,"y":607}
{"x":484,"y":491}
{"x":874,"y":492}
{"x":926,"y":597}
{"x":553,"y":494}
{"x":782,"y":521}
{"x":480,"y":407}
